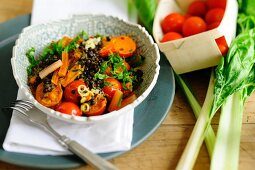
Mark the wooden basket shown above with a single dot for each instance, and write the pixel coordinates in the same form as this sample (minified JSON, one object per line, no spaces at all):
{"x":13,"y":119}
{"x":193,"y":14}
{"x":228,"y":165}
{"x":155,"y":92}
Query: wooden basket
{"x":198,"y":51}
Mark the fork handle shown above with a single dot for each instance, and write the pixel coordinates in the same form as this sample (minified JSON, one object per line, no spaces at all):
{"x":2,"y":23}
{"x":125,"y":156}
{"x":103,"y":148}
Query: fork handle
{"x":86,"y":155}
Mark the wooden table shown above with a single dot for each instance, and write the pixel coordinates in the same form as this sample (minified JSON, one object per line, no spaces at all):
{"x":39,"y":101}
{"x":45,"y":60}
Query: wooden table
{"x":162,"y":150}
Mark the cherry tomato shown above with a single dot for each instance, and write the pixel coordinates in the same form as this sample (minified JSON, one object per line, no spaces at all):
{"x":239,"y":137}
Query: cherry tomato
{"x":213,"y":25}
{"x":171,"y":36}
{"x":222,"y":45}
{"x":172,"y":23}
{"x":186,"y":16}
{"x":71,"y":91}
{"x":193,"y":25}
{"x":216,"y":4}
{"x":110,"y":86}
{"x":214,"y":15}
{"x":98,"y":107}
{"x":197,"y":8}
{"x":69,"y":108}
{"x":48,"y":99}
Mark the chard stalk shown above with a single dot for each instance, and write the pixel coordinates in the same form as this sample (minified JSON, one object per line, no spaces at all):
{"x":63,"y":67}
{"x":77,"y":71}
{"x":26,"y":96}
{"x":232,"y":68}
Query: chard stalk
{"x":226,"y":151}
{"x":231,"y":75}
{"x":198,"y":134}
{"x":210,"y":136}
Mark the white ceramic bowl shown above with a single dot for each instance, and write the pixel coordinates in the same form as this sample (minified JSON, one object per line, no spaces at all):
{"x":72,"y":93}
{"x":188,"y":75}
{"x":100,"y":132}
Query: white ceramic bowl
{"x":38,"y":36}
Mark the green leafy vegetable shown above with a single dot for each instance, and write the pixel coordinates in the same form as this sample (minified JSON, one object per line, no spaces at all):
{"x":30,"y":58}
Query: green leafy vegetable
{"x":146,"y":11}
{"x":245,"y":23}
{"x":72,"y":45}
{"x":55,"y":48}
{"x":246,"y":7}
{"x":31,"y":58}
{"x":119,"y":71}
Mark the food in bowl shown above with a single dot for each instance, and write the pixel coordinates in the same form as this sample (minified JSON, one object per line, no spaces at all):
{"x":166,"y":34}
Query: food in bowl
{"x":87,"y":75}
{"x":41,"y":36}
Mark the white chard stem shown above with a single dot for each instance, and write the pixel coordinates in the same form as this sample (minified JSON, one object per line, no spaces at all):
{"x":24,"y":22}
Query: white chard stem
{"x":226,"y":151}
{"x":210,"y":136}
{"x":198,"y":134}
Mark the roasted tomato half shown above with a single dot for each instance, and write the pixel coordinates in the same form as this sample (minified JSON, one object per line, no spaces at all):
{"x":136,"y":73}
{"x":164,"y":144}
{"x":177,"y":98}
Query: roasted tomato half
{"x":110,"y":86}
{"x":48,"y":99}
{"x":71,"y":91}
{"x":98,"y":107}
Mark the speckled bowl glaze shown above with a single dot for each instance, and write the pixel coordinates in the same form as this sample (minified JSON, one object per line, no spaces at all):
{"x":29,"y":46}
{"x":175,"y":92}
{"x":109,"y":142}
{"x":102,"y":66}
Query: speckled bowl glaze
{"x":39,"y":36}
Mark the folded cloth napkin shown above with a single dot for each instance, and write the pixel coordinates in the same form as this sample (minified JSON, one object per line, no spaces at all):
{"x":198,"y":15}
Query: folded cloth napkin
{"x":47,"y":10}
{"x":113,"y":134}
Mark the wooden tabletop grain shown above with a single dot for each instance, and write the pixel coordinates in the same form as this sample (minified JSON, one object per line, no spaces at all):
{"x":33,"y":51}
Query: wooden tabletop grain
{"x":162,"y":150}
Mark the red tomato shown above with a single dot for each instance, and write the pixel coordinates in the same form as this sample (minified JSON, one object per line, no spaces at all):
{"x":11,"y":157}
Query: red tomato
{"x":127,"y":65}
{"x":213,"y":25}
{"x":69,"y":108}
{"x":171,"y":36}
{"x":216,"y":4}
{"x":71,"y":91}
{"x":193,"y":25}
{"x":197,"y":8}
{"x":222,"y":45}
{"x":172,"y":23}
{"x":214,"y":15}
{"x":110,"y":86}
{"x":98,"y":107}
{"x":186,"y":16}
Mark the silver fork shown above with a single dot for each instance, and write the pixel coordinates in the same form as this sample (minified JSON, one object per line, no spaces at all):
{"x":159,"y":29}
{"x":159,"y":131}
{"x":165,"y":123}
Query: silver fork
{"x":40,"y":119}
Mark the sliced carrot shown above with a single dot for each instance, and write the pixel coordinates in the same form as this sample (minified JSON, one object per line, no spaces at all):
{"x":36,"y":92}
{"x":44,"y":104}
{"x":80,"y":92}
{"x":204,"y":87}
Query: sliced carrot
{"x":65,"y":41}
{"x":116,"y":101}
{"x":65,"y":63}
{"x":107,"y":48}
{"x":71,"y":75}
{"x":124,"y":45}
{"x":108,"y":71}
{"x":32,"y":79}
{"x":73,"y":57}
{"x":77,"y":54}
{"x":55,"y":77}
{"x":128,"y":100}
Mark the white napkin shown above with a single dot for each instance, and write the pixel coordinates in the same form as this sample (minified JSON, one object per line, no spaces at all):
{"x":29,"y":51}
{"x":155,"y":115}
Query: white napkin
{"x":47,"y":10}
{"x":113,"y":134}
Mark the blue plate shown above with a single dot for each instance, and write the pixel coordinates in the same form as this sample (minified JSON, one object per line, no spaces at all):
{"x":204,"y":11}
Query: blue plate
{"x":148,"y":115}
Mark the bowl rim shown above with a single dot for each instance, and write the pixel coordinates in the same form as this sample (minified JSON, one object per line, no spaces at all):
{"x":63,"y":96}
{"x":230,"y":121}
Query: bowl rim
{"x":83,"y":119}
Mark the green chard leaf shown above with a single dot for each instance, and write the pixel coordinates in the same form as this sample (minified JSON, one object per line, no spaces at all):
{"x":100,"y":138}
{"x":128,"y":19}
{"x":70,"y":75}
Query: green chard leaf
{"x":84,"y":35}
{"x":246,"y":6}
{"x":146,"y":10}
{"x":100,"y":76}
{"x":245,"y":23}
{"x":233,"y":70}
{"x":31,"y":56}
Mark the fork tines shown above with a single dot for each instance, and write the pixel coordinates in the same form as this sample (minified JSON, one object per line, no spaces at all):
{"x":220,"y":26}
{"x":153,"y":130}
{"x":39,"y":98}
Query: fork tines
{"x":23,"y":104}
